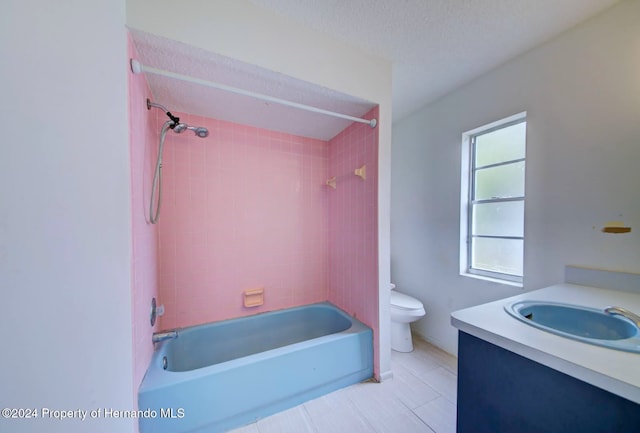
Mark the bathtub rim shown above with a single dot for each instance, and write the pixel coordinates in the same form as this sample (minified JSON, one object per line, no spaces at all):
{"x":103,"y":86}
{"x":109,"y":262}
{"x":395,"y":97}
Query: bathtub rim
{"x":157,"y":378}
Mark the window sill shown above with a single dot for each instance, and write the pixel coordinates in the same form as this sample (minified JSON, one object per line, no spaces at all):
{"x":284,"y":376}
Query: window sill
{"x":493,"y":280}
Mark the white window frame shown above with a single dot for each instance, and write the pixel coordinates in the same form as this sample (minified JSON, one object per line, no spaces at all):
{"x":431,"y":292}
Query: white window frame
{"x":467,"y":185}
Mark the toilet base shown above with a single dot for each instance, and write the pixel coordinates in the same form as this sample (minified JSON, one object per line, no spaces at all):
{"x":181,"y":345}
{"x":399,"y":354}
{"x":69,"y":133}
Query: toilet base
{"x":401,"y":340}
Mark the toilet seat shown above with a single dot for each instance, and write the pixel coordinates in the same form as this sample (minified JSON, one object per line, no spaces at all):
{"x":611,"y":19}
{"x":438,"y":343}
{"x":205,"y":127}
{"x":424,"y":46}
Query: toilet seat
{"x":405,"y":302}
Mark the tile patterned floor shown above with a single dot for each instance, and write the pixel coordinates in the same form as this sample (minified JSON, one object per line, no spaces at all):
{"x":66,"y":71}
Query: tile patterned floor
{"x":421,"y":398}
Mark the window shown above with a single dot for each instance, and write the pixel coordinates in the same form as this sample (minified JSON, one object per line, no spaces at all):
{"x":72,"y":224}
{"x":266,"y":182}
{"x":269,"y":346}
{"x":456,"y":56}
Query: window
{"x":492,"y":223}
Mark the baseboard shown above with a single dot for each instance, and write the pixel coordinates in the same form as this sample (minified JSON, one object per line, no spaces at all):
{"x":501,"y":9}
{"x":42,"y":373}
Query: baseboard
{"x":433,"y":342}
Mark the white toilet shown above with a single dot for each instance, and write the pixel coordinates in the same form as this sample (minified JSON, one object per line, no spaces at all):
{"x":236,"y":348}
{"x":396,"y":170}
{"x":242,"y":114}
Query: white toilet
{"x":404,"y":310}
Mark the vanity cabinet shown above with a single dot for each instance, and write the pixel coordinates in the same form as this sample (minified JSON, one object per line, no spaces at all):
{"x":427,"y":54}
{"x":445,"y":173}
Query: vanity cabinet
{"x":502,"y":392}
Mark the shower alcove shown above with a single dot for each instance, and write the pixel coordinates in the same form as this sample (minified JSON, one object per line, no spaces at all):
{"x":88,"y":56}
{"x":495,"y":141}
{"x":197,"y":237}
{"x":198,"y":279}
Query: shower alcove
{"x":249,"y":206}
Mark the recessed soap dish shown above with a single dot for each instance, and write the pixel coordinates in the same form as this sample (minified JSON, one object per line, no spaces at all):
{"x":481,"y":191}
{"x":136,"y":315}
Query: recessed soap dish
{"x":253,"y":297}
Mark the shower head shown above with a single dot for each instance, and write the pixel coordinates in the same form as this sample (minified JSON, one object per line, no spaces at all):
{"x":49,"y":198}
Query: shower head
{"x":198,"y":130}
{"x":175,"y":123}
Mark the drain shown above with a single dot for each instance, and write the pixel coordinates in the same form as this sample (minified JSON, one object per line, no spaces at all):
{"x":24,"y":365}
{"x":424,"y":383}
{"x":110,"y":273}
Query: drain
{"x":164,"y":362}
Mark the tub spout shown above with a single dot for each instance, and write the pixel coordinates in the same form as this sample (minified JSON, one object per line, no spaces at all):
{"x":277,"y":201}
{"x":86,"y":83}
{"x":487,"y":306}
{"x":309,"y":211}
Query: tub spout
{"x":164,"y":335}
{"x":624,"y":313}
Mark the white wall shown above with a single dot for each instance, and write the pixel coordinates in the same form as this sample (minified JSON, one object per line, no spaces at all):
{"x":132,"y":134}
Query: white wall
{"x":65,"y":240}
{"x":239,"y":30}
{"x":582,"y":95}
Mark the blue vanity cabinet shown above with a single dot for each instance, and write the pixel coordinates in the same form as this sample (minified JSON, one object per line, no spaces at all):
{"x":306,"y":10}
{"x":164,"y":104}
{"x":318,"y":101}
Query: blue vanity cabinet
{"x":502,"y":392}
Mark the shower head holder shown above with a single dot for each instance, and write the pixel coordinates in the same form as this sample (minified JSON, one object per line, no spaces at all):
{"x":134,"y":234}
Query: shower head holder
{"x":174,"y":119}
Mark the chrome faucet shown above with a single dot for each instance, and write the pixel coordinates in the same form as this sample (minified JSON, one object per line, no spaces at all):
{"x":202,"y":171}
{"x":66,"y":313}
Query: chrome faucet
{"x":164,"y":335}
{"x":625,"y":313}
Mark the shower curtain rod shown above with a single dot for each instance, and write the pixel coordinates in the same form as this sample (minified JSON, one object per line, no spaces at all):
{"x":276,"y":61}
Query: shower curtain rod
{"x":138,"y":68}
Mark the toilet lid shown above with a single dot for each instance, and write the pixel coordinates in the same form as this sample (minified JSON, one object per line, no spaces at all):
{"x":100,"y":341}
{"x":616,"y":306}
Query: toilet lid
{"x":403,"y":301}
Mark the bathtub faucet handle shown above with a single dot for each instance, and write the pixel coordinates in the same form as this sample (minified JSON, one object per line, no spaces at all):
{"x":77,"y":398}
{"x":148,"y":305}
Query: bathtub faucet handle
{"x":164,"y":335}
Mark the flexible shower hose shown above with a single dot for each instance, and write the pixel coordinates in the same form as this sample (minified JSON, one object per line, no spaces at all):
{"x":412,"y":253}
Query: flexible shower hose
{"x":157,"y":176}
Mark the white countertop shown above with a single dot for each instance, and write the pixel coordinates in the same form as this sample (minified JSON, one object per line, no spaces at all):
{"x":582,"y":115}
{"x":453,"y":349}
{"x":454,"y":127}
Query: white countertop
{"x":613,"y":370}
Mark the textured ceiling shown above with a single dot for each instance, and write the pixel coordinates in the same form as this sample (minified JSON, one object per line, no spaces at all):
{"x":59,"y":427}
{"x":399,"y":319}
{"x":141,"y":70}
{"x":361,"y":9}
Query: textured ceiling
{"x":175,"y":95}
{"x":435,"y":46}
{"x":438,"y":45}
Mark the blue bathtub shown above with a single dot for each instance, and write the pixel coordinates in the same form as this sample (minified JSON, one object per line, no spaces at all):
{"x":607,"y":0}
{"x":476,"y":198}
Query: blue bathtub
{"x":222,"y":375}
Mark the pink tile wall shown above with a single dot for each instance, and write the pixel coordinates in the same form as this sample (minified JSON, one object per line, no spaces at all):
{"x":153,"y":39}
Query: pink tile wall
{"x":243,"y":208}
{"x":353,"y":225}
{"x":247,"y":208}
{"x":143,"y":146}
